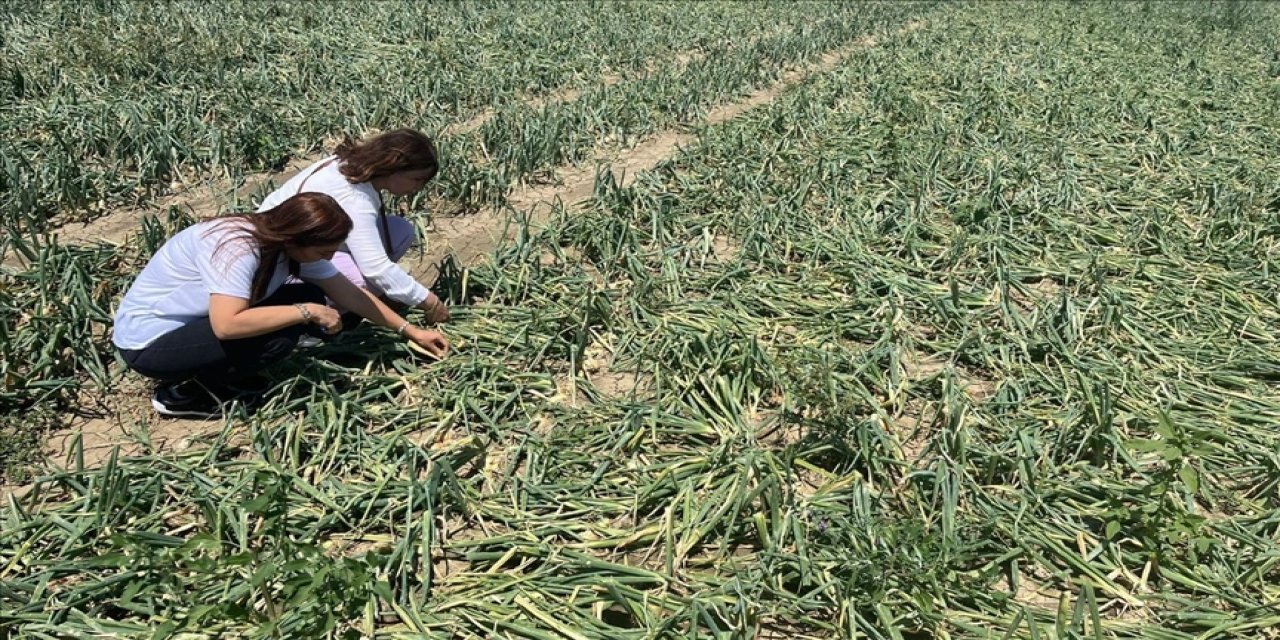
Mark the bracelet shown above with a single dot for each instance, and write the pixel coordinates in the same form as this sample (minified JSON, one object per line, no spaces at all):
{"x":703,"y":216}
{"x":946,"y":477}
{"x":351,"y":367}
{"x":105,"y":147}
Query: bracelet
{"x":306,"y":313}
{"x":402,"y":327}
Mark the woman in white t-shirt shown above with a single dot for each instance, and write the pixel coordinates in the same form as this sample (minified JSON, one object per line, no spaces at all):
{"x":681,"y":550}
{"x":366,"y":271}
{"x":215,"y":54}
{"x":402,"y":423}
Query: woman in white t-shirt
{"x":400,"y":162}
{"x":212,"y":307}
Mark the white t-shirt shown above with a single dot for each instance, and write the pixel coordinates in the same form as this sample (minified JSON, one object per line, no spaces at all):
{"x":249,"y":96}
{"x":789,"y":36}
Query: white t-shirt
{"x":175,"y":286}
{"x":361,"y":202}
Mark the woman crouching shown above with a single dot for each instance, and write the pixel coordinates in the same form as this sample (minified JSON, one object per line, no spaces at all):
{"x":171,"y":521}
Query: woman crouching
{"x":211,"y":307}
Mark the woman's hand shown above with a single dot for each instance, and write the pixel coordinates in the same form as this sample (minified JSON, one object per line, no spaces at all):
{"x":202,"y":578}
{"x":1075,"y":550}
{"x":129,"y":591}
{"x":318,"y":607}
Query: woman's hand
{"x":433,"y":342}
{"x":325,"y":317}
{"x":435,"y":310}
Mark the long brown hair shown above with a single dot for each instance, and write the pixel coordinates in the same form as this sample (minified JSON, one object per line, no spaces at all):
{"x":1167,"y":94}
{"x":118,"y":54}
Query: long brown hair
{"x":304,"y":220}
{"x":387,"y":153}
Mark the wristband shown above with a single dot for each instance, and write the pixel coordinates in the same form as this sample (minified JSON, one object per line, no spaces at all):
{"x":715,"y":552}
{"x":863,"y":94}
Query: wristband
{"x":400,"y":330}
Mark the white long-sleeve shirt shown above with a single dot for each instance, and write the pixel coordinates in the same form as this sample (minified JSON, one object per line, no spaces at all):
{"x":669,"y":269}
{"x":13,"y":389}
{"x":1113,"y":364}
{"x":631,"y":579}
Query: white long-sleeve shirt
{"x":362,"y":203}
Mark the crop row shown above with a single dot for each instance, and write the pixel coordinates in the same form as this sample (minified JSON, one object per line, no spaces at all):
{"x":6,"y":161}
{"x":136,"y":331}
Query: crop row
{"x":156,"y":97}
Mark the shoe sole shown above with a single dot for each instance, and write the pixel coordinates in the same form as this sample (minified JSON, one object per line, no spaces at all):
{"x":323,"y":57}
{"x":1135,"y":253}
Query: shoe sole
{"x":170,"y":413}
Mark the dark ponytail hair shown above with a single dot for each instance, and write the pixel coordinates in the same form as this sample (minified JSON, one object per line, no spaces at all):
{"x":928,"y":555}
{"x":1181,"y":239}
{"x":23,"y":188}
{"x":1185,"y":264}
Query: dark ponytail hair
{"x":387,"y":153}
{"x":305,"y":220}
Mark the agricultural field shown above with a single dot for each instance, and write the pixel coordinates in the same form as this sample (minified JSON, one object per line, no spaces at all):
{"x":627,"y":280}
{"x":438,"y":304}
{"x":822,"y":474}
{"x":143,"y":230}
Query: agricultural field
{"x":774,"y":320}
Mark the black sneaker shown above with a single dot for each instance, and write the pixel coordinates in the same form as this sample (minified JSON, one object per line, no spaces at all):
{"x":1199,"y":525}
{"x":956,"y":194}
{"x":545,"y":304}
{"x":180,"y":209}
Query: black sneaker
{"x":186,"y":400}
{"x":249,"y":386}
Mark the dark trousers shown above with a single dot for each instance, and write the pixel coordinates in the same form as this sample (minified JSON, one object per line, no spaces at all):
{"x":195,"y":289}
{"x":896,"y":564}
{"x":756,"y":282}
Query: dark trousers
{"x":193,"y":351}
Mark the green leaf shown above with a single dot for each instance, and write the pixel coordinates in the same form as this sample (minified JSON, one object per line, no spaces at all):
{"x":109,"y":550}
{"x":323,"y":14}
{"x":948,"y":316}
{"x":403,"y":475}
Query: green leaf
{"x":257,"y":504}
{"x":1113,"y":528}
{"x":113,"y":559}
{"x":1190,"y":477}
{"x":1164,"y":426}
{"x":263,"y":574}
{"x":1144,"y":445}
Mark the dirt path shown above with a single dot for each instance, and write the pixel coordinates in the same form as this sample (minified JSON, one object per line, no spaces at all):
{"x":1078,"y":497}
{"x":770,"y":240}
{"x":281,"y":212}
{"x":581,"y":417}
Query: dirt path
{"x":473,"y":238}
{"x":125,"y":420}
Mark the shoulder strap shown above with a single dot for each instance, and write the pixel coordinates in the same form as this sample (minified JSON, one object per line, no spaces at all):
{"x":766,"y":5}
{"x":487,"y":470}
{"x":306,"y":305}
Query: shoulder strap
{"x":317,"y":170}
{"x":385,"y":231}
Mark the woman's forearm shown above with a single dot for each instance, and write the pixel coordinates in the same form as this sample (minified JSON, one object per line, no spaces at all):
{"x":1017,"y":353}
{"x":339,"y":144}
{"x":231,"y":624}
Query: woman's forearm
{"x":256,"y":321}
{"x":360,"y":301}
